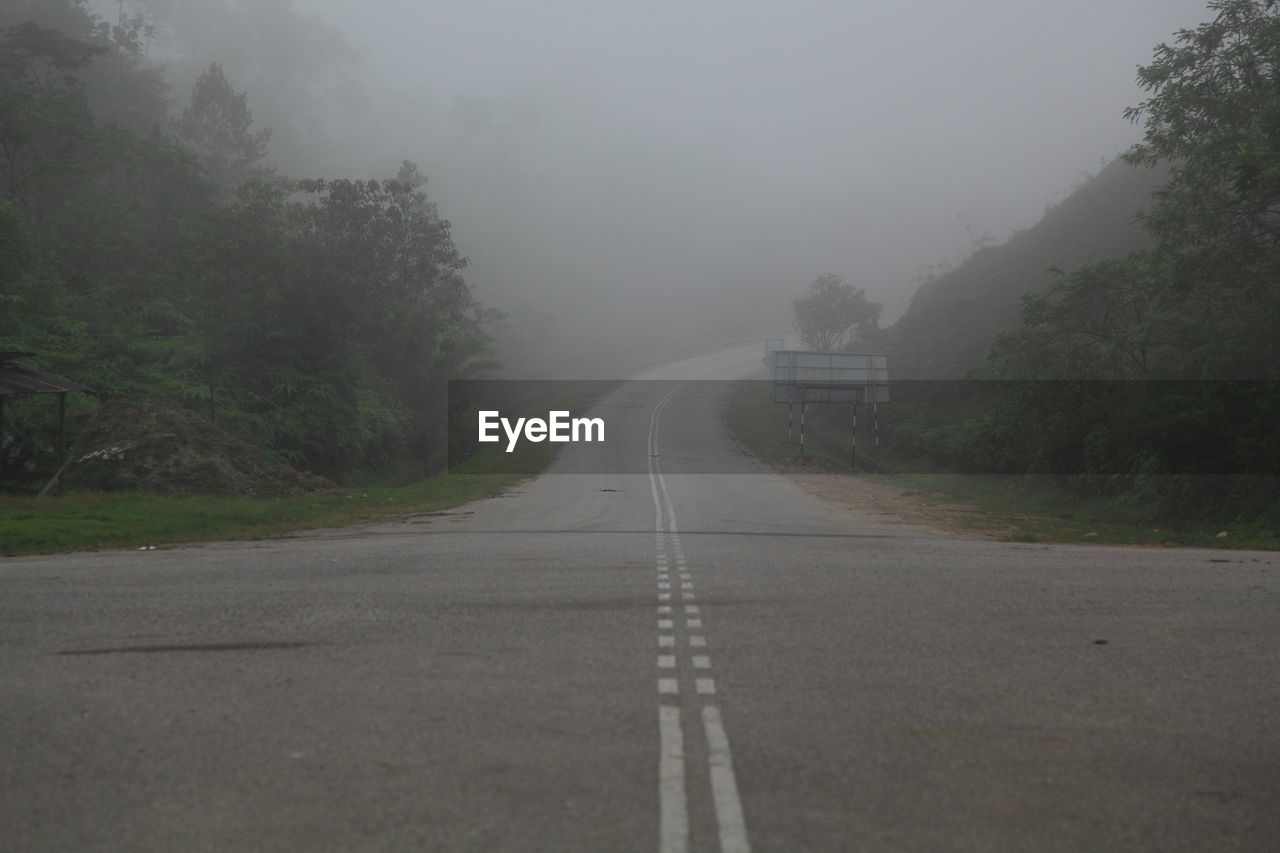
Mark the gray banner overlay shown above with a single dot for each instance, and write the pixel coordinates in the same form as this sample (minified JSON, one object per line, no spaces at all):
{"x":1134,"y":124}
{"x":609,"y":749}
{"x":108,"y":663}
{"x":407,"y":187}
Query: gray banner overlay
{"x":625,"y":427}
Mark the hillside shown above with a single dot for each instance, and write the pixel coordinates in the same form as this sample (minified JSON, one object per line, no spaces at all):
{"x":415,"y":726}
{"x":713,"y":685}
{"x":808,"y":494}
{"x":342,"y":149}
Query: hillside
{"x":950,"y":324}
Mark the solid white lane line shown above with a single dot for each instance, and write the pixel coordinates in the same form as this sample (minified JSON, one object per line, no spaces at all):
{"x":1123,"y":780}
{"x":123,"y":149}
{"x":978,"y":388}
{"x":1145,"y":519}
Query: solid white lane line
{"x":673,"y":824}
{"x":668,"y":685}
{"x":705,"y":686}
{"x":724,"y":787}
{"x":701,"y":662}
{"x":656,"y":480}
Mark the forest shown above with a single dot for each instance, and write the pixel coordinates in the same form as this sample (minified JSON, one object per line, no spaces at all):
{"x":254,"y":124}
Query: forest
{"x":145,"y":251}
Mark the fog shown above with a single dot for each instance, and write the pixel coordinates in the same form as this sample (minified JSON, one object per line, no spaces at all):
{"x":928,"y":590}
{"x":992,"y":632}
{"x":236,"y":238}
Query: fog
{"x":667,"y":174}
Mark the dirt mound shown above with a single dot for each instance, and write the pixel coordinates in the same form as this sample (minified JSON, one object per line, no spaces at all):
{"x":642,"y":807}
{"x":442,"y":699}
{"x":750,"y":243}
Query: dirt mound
{"x":166,"y":449}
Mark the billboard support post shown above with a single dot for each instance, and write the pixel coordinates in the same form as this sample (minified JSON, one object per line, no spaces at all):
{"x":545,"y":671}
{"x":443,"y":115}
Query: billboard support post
{"x":830,"y":377}
{"x":853,"y":439}
{"x":803,"y":403}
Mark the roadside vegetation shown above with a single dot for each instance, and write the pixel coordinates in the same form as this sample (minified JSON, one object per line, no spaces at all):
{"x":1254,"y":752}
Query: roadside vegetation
{"x":88,"y":521}
{"x":1019,"y":508}
{"x":112,"y":518}
{"x":1148,"y":379}
{"x":147,"y":252}
{"x":94,"y":520}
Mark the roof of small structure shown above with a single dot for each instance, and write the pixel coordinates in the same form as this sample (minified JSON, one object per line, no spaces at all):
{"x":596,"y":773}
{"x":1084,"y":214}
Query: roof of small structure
{"x":15,"y":379}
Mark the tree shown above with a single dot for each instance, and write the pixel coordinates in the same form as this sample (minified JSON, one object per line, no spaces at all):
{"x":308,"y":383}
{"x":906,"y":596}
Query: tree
{"x":335,"y":313}
{"x":290,"y":59}
{"x":218,"y":127}
{"x":1214,"y":114}
{"x":834,"y":314}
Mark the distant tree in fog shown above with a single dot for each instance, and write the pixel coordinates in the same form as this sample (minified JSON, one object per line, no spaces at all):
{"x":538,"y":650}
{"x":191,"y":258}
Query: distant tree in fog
{"x":218,"y":127}
{"x":834,"y":314}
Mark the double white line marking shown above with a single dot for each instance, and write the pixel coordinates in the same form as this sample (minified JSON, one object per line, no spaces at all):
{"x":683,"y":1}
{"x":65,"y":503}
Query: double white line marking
{"x":673,"y":831}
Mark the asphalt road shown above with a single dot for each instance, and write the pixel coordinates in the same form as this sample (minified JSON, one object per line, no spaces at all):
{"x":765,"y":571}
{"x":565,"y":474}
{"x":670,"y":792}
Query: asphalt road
{"x":641,"y":661}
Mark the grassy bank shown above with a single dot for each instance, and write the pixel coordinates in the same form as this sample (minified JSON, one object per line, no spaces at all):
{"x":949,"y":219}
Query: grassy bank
{"x":1024,"y":509}
{"x":94,"y":521}
{"x":101,"y":520}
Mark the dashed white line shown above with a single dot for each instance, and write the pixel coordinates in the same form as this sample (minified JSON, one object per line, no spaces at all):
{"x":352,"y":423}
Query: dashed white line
{"x":705,"y":686}
{"x":666,"y":661}
{"x":668,"y":685}
{"x":701,"y":662}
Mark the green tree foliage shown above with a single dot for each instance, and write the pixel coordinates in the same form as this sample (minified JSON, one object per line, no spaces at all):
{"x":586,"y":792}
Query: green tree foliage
{"x":320,"y":317}
{"x":1214,"y":111}
{"x":335,"y":312}
{"x":46,"y":128}
{"x":832,"y":315}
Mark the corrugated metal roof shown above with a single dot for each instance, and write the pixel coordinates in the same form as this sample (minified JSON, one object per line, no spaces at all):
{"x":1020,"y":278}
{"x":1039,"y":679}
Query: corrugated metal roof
{"x":20,"y":380}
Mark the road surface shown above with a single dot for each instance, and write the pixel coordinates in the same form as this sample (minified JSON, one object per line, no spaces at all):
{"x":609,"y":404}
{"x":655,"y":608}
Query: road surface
{"x":620,"y":657}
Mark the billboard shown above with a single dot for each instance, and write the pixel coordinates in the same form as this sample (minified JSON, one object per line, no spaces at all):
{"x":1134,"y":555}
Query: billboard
{"x":829,"y":377}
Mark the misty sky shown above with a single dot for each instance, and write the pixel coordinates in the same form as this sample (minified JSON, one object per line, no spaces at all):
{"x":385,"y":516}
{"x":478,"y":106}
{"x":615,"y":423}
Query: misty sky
{"x":869,"y":139}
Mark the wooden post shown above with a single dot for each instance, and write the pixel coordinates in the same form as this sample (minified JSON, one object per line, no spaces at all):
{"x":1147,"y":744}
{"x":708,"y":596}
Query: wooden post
{"x":62,"y":435}
{"x":62,"y":427}
{"x":804,"y":401}
{"x":853,"y":440}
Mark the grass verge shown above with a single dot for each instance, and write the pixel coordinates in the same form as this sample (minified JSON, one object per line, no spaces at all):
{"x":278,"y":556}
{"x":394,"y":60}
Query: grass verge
{"x":1020,"y":509}
{"x":95,"y":521}
{"x":102,"y":520}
